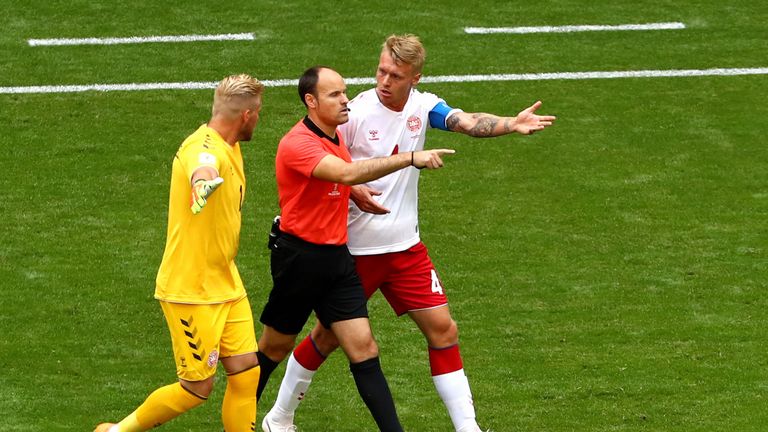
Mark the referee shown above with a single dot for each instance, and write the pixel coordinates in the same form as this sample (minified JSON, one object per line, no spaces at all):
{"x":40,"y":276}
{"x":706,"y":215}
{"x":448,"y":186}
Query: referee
{"x":312,"y":269}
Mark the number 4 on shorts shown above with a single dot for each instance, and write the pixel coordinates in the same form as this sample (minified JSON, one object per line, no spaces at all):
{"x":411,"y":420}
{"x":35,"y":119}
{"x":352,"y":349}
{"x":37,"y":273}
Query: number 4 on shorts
{"x":436,"y":287}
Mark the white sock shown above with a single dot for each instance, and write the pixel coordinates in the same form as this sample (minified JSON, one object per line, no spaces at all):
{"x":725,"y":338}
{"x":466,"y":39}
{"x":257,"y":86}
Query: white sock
{"x":295,"y":383}
{"x":453,"y":389}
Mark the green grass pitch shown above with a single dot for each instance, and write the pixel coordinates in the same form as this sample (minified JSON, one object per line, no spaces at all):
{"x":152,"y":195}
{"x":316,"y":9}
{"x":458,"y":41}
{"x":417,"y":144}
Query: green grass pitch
{"x":607,"y":274}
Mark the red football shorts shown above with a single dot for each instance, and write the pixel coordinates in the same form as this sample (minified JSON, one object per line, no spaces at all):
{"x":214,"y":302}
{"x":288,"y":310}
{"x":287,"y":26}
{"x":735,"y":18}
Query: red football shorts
{"x":407,"y":279}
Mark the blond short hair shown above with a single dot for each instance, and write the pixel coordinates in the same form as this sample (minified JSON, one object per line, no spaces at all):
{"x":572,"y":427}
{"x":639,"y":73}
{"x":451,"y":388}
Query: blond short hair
{"x":406,"y":49}
{"x":235,"y":94}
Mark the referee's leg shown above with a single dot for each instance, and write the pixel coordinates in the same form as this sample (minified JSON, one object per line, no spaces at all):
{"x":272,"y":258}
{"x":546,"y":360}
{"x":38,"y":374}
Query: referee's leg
{"x":274,"y":346}
{"x":356,"y":339}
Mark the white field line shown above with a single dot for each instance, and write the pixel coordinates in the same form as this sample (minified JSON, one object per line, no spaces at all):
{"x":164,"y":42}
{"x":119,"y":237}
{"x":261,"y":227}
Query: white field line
{"x":674,"y":73}
{"x":139,"y":39}
{"x":574,"y":28}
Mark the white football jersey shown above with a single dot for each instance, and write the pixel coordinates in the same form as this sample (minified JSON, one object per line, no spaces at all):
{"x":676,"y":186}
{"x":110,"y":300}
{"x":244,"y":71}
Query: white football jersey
{"x":373,"y":131}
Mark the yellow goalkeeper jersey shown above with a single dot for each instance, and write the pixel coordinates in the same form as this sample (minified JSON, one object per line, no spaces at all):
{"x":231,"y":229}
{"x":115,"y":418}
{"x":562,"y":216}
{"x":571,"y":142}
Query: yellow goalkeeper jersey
{"x":199,"y":261}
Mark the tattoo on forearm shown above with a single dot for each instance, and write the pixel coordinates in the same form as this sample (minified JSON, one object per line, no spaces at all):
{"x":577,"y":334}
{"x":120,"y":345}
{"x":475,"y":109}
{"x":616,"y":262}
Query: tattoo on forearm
{"x":507,"y":127}
{"x":484,"y":126}
{"x":452,"y":122}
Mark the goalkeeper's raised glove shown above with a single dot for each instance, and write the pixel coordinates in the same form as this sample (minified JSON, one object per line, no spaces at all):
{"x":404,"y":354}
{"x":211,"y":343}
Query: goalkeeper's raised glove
{"x":201,"y":190}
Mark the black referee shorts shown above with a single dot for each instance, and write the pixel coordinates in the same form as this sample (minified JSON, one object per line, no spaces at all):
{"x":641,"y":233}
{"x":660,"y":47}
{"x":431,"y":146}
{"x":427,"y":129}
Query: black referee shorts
{"x":308,"y":277}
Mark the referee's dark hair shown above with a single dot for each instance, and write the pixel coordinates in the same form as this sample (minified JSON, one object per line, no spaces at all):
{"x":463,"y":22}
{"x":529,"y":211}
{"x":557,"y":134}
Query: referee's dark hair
{"x":308,"y":82}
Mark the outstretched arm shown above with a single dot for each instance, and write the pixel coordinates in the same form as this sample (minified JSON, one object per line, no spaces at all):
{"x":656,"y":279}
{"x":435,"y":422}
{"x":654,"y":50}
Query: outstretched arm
{"x":334,"y":169}
{"x":484,"y":125}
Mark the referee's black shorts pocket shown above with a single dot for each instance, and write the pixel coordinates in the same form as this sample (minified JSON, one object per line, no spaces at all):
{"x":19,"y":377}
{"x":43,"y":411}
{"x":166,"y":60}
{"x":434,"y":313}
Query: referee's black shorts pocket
{"x":282,"y":259}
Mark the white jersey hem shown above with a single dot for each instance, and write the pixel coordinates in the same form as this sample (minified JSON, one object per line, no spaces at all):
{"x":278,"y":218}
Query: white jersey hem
{"x":399,"y":247}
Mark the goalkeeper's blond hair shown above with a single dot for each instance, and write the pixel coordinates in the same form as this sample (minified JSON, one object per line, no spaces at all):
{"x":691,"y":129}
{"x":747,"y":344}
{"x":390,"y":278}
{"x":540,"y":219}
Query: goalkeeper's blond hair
{"x":235,"y":94}
{"x":406,"y":49}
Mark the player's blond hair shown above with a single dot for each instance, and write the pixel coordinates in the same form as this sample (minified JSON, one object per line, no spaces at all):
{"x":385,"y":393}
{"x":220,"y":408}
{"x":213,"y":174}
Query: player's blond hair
{"x":406,"y":49}
{"x":236,"y":94}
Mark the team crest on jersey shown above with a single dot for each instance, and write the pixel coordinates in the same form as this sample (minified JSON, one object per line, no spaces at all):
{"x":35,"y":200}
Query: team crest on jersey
{"x":373,"y":135}
{"x":213,"y":358}
{"x":414,"y":123}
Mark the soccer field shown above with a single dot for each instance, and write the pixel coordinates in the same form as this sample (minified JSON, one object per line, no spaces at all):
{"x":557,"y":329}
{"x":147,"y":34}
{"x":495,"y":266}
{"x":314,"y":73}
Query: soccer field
{"x":607,"y":274}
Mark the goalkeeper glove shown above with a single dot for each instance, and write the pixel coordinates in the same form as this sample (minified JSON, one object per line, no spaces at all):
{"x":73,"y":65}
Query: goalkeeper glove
{"x":201,"y":190}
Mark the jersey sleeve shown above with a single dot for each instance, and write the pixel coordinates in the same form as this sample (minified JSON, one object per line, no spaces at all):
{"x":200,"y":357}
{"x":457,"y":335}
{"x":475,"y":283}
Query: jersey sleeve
{"x":302,"y":154}
{"x":199,"y":154}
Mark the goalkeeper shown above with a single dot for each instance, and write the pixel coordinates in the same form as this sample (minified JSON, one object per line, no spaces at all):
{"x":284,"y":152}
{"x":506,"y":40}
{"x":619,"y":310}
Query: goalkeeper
{"x":198,"y":285}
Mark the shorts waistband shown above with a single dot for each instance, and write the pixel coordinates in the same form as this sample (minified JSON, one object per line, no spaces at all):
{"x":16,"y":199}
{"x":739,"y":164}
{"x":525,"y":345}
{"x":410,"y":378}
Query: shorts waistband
{"x":303,"y":244}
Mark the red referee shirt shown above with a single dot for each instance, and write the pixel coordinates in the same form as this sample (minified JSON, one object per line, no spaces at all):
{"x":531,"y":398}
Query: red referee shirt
{"x":312,"y":209}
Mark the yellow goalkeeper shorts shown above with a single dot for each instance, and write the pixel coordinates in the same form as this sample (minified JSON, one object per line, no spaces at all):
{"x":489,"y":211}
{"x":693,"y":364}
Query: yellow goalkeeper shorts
{"x":201,"y":334}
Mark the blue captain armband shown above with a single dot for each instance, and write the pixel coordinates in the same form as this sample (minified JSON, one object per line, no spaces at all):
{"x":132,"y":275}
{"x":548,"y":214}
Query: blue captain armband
{"x":439,"y":114}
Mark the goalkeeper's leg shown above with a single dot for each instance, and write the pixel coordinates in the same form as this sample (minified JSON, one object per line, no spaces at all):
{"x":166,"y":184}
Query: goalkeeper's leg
{"x":238,"y":411}
{"x":195,"y":331}
{"x":164,"y":404}
{"x":238,"y":350}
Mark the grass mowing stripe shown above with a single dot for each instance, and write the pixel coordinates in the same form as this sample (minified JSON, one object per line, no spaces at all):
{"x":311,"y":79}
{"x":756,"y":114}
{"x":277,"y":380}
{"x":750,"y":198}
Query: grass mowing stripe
{"x":574,"y":28}
{"x":141,"y":39}
{"x":204,"y":85}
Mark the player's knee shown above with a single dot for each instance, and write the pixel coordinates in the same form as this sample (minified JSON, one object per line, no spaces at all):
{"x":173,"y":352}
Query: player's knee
{"x":361,"y":350}
{"x":276,"y":351}
{"x":325,"y":341}
{"x":240,"y":363}
{"x":452,"y":332}
{"x":443,"y":335}
{"x":200,"y":388}
{"x":276,"y":345}
{"x":371,"y":350}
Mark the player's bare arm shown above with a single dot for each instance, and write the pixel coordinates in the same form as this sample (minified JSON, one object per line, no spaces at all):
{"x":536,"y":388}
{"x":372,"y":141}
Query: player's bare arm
{"x":362,"y":196}
{"x":483,"y":125}
{"x":335,"y":169}
{"x":204,"y":173}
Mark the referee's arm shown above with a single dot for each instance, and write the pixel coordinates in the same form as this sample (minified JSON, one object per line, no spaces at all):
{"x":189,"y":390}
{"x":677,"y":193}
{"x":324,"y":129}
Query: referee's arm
{"x":334,"y":169}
